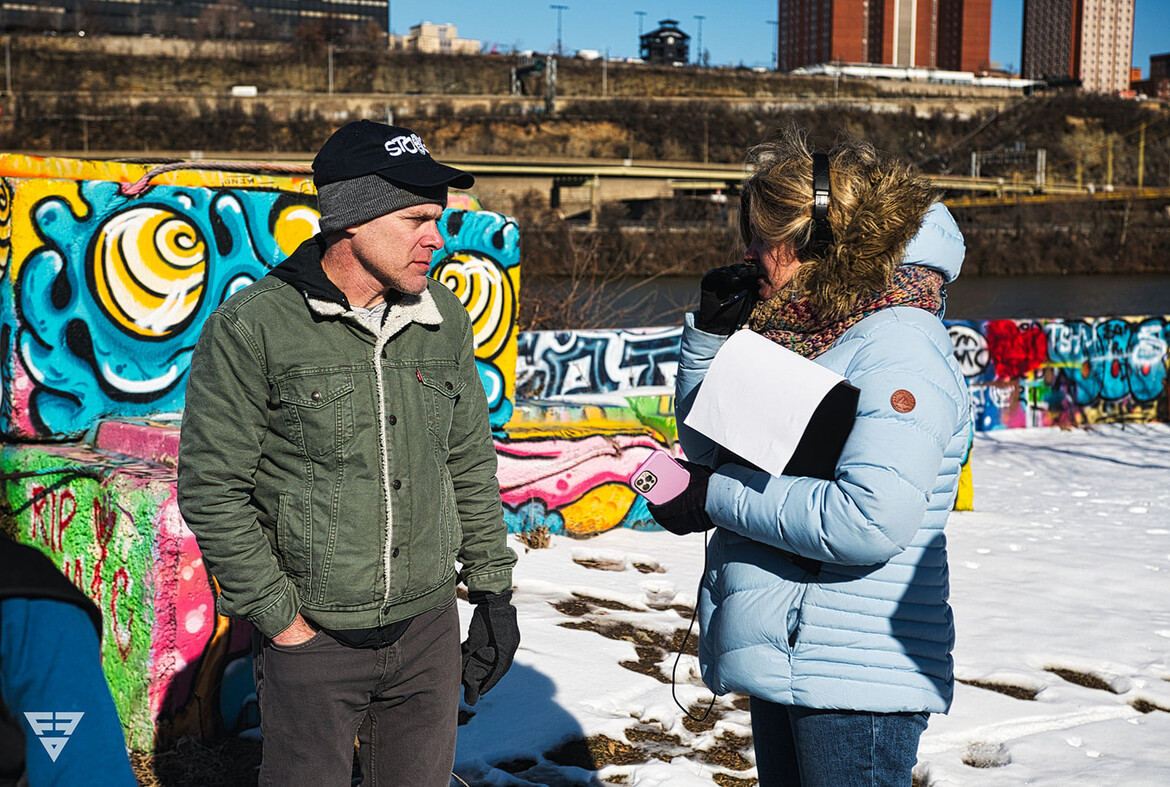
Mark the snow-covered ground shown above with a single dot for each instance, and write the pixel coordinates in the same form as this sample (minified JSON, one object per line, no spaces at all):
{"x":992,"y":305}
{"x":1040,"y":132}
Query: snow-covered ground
{"x":1060,"y":582}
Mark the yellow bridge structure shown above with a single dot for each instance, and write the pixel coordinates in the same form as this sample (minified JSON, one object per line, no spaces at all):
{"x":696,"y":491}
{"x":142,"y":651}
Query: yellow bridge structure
{"x":581,"y":185}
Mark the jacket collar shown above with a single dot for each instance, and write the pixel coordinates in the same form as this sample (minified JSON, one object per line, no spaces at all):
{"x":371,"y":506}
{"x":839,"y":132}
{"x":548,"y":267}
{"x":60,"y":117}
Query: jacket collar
{"x":302,"y":269}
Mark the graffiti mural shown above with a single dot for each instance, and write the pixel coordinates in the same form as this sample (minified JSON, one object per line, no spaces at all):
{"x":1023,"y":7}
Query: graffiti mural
{"x":566,"y":467}
{"x":1019,"y":372}
{"x":1064,"y":372}
{"x":556,"y":363}
{"x":113,"y":528}
{"x":107,"y":284}
{"x":129,"y":284}
{"x":481,"y":264}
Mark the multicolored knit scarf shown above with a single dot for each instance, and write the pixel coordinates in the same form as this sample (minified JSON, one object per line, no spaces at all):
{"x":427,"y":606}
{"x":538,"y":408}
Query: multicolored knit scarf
{"x":792,"y":324}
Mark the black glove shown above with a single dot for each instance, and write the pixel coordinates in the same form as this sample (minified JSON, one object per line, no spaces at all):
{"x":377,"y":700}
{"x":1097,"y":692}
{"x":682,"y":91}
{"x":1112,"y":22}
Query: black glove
{"x":492,"y":639}
{"x":726,"y":298}
{"x":686,"y":512}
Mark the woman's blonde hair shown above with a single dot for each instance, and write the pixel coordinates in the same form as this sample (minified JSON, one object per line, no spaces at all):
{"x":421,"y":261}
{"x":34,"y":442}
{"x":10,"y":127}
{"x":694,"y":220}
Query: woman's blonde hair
{"x":876,"y":207}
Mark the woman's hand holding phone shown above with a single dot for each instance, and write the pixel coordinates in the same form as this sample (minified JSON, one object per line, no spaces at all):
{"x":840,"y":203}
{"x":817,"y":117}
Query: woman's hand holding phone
{"x":675,"y":492}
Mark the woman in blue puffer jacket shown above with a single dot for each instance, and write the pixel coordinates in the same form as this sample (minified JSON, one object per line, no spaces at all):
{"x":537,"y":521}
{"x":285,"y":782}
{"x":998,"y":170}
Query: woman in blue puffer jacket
{"x":826,"y":600}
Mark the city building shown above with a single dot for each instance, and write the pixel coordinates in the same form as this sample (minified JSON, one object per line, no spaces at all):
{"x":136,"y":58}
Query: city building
{"x":1090,"y":41}
{"x":952,"y":35}
{"x":265,"y":19}
{"x":435,"y":39}
{"x":1158,"y":84}
{"x":1160,"y":66}
{"x":666,"y":45}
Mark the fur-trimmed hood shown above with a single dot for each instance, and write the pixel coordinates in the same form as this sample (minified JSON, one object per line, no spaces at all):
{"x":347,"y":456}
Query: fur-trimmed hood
{"x":868,"y":242}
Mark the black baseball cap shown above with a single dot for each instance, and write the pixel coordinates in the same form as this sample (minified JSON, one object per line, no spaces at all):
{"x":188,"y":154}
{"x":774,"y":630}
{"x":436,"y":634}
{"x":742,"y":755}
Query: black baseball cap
{"x":393,"y":152}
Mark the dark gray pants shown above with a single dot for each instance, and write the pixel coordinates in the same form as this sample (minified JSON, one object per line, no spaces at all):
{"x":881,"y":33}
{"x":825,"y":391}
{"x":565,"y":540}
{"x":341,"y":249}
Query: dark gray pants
{"x":314,"y":696}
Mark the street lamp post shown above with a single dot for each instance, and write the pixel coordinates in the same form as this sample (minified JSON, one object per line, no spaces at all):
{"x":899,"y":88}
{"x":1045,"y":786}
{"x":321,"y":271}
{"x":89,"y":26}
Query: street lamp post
{"x":559,"y":9}
{"x":775,"y":41}
{"x":699,"y":54}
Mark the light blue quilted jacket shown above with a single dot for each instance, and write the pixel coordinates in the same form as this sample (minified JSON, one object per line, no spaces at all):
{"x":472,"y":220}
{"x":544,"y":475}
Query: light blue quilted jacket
{"x":872,"y":630}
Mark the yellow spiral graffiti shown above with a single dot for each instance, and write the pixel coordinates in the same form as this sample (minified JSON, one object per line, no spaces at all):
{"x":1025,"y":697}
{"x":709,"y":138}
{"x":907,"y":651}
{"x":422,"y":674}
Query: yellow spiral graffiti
{"x":295,"y":225}
{"x":489,"y":295}
{"x":149,"y":266}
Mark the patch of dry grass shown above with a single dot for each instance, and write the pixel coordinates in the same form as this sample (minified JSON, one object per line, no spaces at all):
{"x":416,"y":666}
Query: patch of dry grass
{"x":536,"y":538}
{"x":1081,"y":679}
{"x":1011,"y":690}
{"x":595,"y":752}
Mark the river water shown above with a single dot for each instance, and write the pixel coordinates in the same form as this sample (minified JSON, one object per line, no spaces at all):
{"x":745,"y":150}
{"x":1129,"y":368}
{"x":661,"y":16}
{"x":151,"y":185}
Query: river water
{"x":634,"y":304}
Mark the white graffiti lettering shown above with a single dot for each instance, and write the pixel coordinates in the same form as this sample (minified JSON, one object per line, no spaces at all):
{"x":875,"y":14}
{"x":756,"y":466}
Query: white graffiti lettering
{"x":1149,"y":348}
{"x":404,"y":144}
{"x":970,"y":349}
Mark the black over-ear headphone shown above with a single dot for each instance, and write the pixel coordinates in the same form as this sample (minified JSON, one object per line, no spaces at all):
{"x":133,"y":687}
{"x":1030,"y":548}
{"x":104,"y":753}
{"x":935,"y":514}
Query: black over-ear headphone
{"x":822,"y":235}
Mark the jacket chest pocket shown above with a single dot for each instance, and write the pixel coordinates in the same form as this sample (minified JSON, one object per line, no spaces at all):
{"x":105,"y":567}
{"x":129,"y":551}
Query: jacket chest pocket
{"x":318,"y":411}
{"x":442,"y":387}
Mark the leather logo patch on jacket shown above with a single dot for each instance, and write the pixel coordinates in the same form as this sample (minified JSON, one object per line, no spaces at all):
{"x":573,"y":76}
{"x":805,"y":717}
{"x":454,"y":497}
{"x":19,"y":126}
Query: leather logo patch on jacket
{"x":902,"y":400}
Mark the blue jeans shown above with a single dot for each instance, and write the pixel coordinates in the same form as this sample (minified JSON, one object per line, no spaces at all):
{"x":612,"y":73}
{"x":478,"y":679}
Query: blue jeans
{"x":808,"y":747}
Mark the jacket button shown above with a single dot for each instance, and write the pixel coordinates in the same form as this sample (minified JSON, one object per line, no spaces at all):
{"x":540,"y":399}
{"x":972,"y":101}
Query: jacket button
{"x":396,"y":484}
{"x":392,"y":420}
{"x":394,"y":552}
{"x":448,"y":385}
{"x":315,"y":396}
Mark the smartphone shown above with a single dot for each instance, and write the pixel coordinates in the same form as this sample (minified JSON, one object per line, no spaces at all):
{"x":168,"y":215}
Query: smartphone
{"x":660,"y":478}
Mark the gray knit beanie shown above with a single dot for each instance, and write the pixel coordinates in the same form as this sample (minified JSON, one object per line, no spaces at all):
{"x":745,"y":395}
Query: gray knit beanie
{"x":348,"y":203}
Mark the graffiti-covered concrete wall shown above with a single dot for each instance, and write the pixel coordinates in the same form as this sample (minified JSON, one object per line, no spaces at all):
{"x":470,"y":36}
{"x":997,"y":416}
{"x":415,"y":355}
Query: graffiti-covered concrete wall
{"x":560,"y":363}
{"x":106,"y":285}
{"x":110,"y":521}
{"x":107,"y":278}
{"x":1064,"y":372}
{"x":1020,"y":373}
{"x":566,"y":466}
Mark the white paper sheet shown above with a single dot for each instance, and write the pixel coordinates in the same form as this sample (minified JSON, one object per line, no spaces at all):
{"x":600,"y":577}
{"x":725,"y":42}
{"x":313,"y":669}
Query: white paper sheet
{"x":757,"y":399}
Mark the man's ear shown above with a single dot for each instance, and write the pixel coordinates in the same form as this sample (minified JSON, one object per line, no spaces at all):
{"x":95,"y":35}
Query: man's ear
{"x":339,"y":235}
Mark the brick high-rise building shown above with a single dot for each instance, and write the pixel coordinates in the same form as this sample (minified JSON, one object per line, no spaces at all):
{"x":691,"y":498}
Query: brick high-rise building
{"x":1089,"y":40}
{"x":954,"y":35}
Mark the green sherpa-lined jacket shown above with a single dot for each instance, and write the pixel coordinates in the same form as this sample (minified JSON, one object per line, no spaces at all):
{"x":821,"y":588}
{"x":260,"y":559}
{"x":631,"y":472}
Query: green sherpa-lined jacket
{"x":333,"y":472}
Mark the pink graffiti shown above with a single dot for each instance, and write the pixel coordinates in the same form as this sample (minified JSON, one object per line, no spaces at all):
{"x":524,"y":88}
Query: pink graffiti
{"x":559,"y":471}
{"x":119,"y":625}
{"x":20,"y":392}
{"x":184,"y":610}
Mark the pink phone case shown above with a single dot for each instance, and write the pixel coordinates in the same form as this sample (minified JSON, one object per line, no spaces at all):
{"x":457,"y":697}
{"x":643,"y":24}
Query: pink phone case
{"x":659,"y":478}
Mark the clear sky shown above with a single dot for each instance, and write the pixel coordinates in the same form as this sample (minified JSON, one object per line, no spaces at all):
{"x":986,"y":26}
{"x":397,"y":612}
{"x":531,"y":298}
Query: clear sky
{"x":733,"y":31}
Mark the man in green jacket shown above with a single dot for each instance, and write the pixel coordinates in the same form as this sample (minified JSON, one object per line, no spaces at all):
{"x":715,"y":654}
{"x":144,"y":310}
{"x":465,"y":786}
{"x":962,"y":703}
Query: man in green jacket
{"x":336,"y":462}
